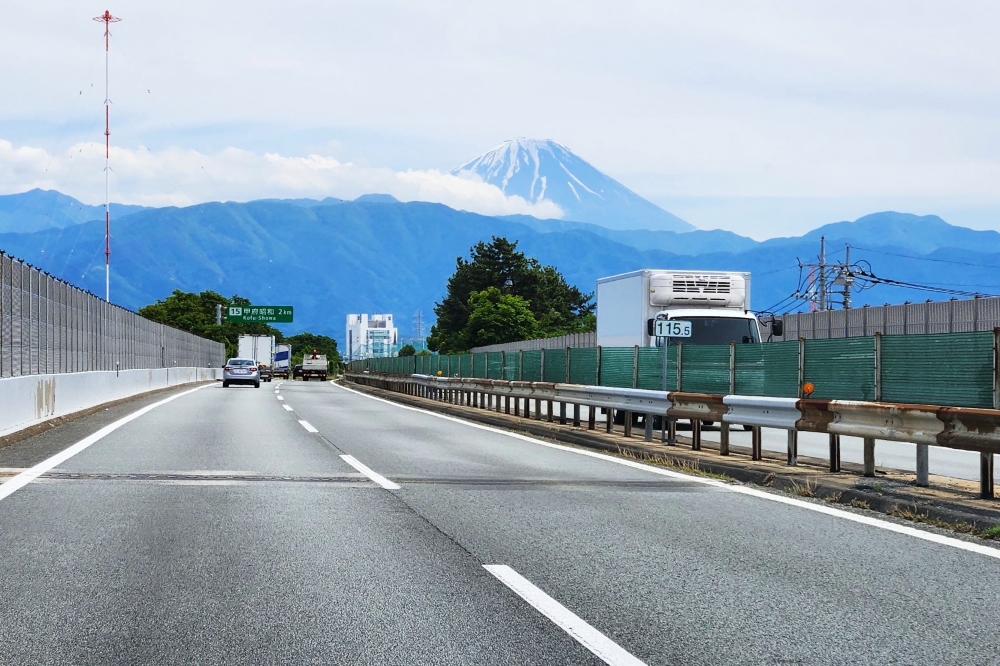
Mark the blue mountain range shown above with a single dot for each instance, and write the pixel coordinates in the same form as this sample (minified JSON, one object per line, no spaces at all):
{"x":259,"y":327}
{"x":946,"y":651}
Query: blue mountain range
{"x":330,"y":258}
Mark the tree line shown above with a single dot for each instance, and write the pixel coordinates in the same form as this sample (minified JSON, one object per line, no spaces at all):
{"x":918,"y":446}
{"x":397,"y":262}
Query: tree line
{"x":195,"y":313}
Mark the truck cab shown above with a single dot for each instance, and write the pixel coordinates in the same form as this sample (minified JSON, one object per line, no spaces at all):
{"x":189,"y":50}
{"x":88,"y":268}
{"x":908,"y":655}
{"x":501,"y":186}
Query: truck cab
{"x":710,"y":308}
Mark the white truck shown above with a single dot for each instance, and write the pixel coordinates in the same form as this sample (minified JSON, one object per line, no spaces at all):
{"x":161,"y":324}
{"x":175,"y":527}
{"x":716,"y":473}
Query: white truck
{"x":693,"y":307}
{"x":314,"y":365}
{"x":282,"y":361}
{"x":258,"y":347}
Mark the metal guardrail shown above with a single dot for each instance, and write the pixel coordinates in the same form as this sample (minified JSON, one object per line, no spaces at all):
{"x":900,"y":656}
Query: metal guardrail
{"x":48,"y":326}
{"x":966,"y":429}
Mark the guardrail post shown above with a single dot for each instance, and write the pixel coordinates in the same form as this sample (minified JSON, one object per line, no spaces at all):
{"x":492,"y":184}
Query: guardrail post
{"x":671,"y":431}
{"x":834,"y":452}
{"x":922,"y":466}
{"x":869,"y":456}
{"x":986,"y":475}
{"x":548,"y":410}
{"x":793,"y":448}
{"x":576,"y":415}
{"x":755,"y":443}
{"x":648,"y":421}
{"x":696,"y":434}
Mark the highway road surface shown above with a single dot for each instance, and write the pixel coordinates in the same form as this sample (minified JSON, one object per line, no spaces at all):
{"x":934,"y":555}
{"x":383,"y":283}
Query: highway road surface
{"x":305,"y":523}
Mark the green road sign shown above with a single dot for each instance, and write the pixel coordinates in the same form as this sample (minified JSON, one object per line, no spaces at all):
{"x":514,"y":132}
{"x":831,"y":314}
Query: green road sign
{"x":253,"y":314}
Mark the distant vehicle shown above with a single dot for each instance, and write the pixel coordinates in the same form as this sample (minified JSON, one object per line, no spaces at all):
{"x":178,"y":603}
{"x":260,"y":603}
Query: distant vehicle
{"x":282,"y":360}
{"x":258,"y":347}
{"x":297,"y":371}
{"x":265,"y":373}
{"x":314,"y":365}
{"x":241,"y":371}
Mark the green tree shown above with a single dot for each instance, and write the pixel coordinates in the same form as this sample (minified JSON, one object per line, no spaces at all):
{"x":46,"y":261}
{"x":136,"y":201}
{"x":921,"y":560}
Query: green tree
{"x":304,"y":343}
{"x":557,"y":307}
{"x":423,"y":352}
{"x":407,"y":350}
{"x":195,"y":313}
{"x":497,"y":317}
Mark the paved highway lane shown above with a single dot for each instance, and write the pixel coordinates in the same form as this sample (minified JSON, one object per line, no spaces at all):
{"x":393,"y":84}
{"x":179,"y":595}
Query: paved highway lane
{"x":172,"y":540}
{"x":674,"y":571}
{"x":218,"y":528}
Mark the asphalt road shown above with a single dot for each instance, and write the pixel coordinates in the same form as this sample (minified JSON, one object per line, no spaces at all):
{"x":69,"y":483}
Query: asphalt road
{"x":219,"y":528}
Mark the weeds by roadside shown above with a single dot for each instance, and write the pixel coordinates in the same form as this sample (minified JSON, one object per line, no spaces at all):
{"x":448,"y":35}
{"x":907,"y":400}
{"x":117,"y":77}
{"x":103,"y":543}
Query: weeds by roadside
{"x":689,"y":467}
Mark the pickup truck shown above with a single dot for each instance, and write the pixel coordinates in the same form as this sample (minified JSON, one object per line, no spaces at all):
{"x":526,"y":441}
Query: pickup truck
{"x":265,"y":373}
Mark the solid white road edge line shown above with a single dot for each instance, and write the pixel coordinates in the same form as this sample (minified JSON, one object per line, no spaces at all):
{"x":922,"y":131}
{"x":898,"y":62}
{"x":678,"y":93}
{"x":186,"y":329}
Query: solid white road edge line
{"x":308,"y":426}
{"x":374,"y":476}
{"x":585,"y":634}
{"x":288,"y":408}
{"x":980,"y":549}
{"x":8,"y":488}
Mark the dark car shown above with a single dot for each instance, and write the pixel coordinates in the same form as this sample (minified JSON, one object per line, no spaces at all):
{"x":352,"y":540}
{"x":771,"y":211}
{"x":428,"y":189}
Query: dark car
{"x":297,"y":372}
{"x":241,"y":371}
{"x":265,"y":373}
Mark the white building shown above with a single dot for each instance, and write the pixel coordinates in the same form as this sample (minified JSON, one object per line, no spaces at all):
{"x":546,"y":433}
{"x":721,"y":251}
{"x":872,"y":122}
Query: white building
{"x":370,"y":336}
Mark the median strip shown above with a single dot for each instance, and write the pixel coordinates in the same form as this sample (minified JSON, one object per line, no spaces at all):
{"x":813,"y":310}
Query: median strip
{"x":585,"y":634}
{"x":374,"y":476}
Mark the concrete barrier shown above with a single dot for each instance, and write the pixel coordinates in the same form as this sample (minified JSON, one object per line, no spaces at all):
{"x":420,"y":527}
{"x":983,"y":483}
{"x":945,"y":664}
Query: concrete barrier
{"x":27,"y":401}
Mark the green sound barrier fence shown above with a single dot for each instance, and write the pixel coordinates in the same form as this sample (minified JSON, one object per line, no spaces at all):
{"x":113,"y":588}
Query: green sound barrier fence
{"x":951,"y":369}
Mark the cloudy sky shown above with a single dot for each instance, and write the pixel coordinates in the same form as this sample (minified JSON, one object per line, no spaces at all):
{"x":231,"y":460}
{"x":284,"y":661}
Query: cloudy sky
{"x":767,"y":117}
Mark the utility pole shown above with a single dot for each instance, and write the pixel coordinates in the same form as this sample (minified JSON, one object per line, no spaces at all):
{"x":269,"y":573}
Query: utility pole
{"x":218,"y":314}
{"x":107,"y":19}
{"x":848,"y":277}
{"x":822,"y":272}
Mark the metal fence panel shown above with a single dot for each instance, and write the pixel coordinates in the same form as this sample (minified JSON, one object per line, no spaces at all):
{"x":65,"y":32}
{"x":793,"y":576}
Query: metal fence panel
{"x":651,"y":368}
{"x":950,"y":369}
{"x":768,"y":370}
{"x":616,"y":366}
{"x":554,"y":365}
{"x":841,"y":369}
{"x":494,"y":365}
{"x":531,"y":365}
{"x":512,"y":366}
{"x":705,"y":368}
{"x":583,"y":366}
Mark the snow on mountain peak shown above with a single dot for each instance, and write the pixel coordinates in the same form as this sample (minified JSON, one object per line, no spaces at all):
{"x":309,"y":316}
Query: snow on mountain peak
{"x":537,"y":169}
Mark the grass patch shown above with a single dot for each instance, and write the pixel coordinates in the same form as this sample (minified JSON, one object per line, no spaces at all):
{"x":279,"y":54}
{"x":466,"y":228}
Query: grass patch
{"x":807,"y":489}
{"x":686,"y":466}
{"x":991,"y":532}
{"x":861,"y":504}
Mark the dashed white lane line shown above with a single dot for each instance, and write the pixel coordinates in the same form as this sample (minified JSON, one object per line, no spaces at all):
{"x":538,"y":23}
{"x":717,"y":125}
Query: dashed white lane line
{"x":288,"y":408}
{"x":281,"y":397}
{"x":589,"y":637}
{"x":308,"y":426}
{"x":8,"y":488}
{"x":972,"y":547}
{"x":374,"y":476}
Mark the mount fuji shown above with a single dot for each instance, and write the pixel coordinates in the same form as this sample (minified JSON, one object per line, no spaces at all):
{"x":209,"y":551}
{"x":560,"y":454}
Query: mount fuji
{"x":541,"y":169}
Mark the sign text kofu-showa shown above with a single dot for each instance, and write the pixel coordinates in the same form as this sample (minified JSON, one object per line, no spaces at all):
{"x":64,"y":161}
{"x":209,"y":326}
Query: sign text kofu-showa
{"x":253,"y":314}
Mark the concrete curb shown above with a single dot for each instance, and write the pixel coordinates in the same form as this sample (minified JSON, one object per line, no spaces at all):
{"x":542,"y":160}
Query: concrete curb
{"x":892,"y":492}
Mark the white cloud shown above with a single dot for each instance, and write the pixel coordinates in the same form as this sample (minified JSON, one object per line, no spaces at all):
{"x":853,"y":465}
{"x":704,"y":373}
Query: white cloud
{"x":181,"y":177}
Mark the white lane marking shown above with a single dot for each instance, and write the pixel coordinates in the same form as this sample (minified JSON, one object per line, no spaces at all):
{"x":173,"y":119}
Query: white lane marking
{"x":288,"y":408}
{"x":308,"y":426}
{"x":374,"y":476}
{"x":585,"y":634}
{"x":281,"y":397}
{"x":980,"y":549}
{"x":8,"y":488}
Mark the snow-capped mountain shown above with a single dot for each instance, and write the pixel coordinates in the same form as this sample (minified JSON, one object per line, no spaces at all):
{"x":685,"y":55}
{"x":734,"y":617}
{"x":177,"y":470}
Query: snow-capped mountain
{"x":541,"y":169}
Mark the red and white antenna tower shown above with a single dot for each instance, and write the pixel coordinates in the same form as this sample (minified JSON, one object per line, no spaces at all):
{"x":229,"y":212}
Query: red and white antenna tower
{"x":107,"y":19}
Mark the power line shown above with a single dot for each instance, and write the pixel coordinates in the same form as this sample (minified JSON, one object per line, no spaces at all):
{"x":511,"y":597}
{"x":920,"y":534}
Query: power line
{"x":939,"y":261}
